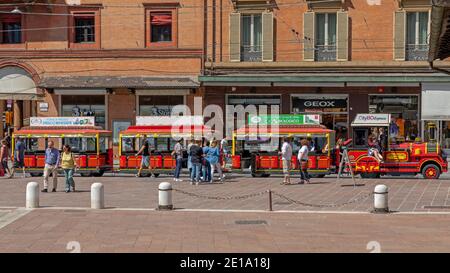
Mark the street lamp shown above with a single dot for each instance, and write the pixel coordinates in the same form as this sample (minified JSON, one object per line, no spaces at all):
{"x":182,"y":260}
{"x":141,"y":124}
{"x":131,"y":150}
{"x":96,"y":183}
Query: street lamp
{"x":16,"y":10}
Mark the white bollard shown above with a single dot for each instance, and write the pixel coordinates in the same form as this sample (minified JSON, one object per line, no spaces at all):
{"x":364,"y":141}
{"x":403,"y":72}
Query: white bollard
{"x":165,"y":196}
{"x":97,"y":196}
{"x":380,"y":199}
{"x":32,"y":196}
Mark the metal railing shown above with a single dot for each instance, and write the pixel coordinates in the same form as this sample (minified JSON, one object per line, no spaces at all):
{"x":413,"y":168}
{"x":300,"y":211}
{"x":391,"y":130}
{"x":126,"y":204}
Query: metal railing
{"x":251,"y":53}
{"x":325,"y":53}
{"x":417,"y":52}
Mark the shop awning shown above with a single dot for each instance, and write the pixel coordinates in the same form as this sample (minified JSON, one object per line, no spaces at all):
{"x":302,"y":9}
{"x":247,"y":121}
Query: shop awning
{"x":17,"y":84}
{"x":440,"y":30}
{"x":138,"y":82}
{"x":320,"y":79}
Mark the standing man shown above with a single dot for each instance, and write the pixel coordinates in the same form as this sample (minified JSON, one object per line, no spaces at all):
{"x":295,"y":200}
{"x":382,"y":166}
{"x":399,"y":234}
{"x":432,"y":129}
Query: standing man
{"x":196,"y":153}
{"x":286,"y":155}
{"x":51,"y":166}
{"x":303,"y":161}
{"x":19,"y":157}
{"x":178,"y":154}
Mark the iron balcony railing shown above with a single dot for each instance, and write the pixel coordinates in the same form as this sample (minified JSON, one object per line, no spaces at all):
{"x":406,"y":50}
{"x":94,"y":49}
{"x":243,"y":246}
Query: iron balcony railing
{"x":417,"y":52}
{"x":251,"y":53}
{"x":325,"y":53}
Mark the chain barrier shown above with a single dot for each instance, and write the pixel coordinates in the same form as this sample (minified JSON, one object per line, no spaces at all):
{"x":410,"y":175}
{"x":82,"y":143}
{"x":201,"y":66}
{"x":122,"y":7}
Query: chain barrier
{"x":290,"y":200}
{"x":246,"y":196}
{"x":363,"y":197}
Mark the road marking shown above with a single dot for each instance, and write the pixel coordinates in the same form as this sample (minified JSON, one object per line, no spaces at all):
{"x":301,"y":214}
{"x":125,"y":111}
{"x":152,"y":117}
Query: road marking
{"x":9,"y":216}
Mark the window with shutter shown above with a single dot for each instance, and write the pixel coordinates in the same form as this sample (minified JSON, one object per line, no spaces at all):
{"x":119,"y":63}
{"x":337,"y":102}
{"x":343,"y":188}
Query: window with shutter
{"x":342,"y":36}
{"x":309,"y":37}
{"x":267,"y":35}
{"x":235,"y":37}
{"x":399,"y":35}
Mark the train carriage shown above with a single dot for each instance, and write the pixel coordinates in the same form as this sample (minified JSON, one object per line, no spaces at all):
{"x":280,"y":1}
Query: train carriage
{"x":89,"y":143}
{"x":162,"y":133}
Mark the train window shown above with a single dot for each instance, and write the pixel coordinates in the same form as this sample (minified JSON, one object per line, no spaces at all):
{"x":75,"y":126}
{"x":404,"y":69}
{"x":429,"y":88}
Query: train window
{"x":360,"y":137}
{"x":128,"y":144}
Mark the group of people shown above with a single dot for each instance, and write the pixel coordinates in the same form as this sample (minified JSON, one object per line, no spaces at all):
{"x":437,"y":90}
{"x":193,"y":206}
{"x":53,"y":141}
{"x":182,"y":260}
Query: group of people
{"x":53,"y":161}
{"x":204,"y":159}
{"x":302,"y":157}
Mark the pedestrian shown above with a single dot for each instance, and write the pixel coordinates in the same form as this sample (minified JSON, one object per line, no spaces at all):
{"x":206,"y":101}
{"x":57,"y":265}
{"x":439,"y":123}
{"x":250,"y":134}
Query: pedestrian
{"x":69,"y":165}
{"x":8,"y":140}
{"x":52,"y":157}
{"x":145,"y":161}
{"x":196,"y":153}
{"x":213,"y":158}
{"x":225,"y":148}
{"x":19,"y":157}
{"x":286,"y":155}
{"x":303,"y":161}
{"x":4,"y":155}
{"x":374,"y":148}
{"x":382,"y":140}
{"x":178,"y":154}
{"x":189,"y":163}
{"x":206,"y":165}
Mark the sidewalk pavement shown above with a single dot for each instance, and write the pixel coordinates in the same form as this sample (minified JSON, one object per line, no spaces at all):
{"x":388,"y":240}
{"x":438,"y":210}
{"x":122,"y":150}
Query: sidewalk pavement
{"x":58,"y":230}
{"x":405,"y":194}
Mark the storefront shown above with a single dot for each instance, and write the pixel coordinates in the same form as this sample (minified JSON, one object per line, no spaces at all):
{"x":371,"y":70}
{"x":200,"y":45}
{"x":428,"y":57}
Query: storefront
{"x":76,"y":103}
{"x":159,"y":102}
{"x":436,"y":113}
{"x":332,"y":108}
{"x":404,"y":110}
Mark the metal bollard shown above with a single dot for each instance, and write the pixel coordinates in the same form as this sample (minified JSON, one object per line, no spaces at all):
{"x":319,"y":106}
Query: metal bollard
{"x":165,"y":196}
{"x":380,"y":199}
{"x":97,"y":196}
{"x":32,"y":196}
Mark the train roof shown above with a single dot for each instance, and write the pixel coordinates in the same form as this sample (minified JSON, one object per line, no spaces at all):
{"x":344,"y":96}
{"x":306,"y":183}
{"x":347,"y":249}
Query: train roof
{"x":62,"y":130}
{"x":166,"y":129}
{"x":283,"y":129}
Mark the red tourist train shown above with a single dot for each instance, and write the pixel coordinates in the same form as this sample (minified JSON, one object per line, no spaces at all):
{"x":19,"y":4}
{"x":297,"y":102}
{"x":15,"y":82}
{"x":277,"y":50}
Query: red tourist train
{"x":257,"y":148}
{"x":89,"y":144}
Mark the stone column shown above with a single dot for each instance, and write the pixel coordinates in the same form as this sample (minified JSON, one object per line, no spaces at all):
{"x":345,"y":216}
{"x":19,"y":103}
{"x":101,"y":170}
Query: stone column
{"x":17,"y":112}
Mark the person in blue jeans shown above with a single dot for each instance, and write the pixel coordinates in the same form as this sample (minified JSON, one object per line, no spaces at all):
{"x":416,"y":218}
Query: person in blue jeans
{"x":196,"y":153}
{"x":178,"y":154}
{"x":206,"y":167}
{"x":213,"y":158}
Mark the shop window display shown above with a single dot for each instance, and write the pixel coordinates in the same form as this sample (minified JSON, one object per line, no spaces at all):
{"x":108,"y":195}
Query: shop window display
{"x":404,"y":111}
{"x":77,"y":106}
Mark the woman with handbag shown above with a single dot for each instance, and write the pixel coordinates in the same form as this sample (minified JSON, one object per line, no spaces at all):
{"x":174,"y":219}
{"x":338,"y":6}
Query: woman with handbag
{"x":68,"y":164}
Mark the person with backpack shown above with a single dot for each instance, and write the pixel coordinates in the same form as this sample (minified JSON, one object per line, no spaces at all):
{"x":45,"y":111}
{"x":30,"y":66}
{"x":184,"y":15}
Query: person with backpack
{"x":213,"y":158}
{"x":196,"y":153}
{"x":206,"y":167}
{"x":69,"y":165}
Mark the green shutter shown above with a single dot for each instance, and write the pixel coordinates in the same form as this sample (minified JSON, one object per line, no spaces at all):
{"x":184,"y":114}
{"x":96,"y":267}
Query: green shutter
{"x":308,"y":33}
{"x":235,"y":37}
{"x":267,"y":36}
{"x":342,"y":36}
{"x":399,"y":35}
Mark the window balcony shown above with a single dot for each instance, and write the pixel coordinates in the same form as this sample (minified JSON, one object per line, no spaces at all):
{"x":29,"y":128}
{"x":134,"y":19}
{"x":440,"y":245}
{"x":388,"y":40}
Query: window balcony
{"x":251,"y":53}
{"x":417,"y":52}
{"x":325,"y":53}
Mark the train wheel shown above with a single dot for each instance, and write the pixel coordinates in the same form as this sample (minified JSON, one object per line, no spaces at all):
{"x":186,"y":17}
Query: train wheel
{"x":156,"y":175}
{"x":98,"y":174}
{"x":36,"y":174}
{"x":86,"y":174}
{"x":370,"y":175}
{"x":431,"y":171}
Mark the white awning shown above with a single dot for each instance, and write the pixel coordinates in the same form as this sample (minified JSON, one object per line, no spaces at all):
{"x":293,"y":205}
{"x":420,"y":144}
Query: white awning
{"x":16,"y":83}
{"x":435,"y":101}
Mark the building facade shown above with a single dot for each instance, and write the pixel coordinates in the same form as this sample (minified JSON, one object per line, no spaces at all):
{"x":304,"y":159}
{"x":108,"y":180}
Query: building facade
{"x":334,"y":58}
{"x":108,"y":59}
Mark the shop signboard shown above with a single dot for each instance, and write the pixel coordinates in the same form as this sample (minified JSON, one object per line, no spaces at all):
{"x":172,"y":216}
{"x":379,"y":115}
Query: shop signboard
{"x":284,"y":119}
{"x":169,"y":120}
{"x":319,"y":105}
{"x":62,"y":121}
{"x":372,"y":120}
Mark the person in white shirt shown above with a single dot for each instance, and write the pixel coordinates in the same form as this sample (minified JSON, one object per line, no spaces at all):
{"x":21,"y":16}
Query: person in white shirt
{"x":303,"y":161}
{"x":286,"y":155}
